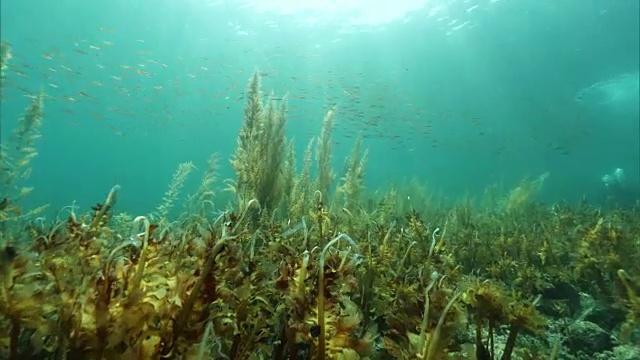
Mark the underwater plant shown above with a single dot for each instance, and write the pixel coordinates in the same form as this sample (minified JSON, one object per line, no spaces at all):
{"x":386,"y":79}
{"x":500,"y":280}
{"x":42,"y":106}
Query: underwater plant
{"x":16,"y":156}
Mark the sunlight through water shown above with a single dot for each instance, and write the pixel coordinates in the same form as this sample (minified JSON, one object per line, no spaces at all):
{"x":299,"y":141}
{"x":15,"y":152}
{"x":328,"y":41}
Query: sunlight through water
{"x":355,"y":12}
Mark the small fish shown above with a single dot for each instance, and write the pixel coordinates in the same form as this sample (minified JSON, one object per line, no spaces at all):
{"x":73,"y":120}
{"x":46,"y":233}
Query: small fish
{"x":7,"y":254}
{"x":4,"y":203}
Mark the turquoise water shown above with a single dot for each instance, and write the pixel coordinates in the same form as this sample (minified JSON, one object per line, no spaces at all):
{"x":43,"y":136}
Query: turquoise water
{"x":461,"y":94}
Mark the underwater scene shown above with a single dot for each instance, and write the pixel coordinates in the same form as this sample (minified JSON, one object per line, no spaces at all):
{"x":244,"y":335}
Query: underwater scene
{"x":320,"y":179}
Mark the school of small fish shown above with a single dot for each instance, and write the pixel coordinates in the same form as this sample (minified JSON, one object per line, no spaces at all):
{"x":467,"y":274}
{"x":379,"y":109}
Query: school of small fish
{"x":85,"y":80}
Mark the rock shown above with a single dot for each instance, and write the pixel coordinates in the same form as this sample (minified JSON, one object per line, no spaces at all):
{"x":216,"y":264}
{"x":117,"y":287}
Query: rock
{"x":621,"y":352}
{"x":626,"y":352}
{"x":588,"y":338}
{"x":606,"y":315}
{"x":561,"y":291}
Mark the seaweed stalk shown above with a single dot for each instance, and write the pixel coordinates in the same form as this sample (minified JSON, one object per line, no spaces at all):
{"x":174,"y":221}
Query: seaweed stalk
{"x":202,"y":348}
{"x":180,"y":323}
{"x":425,"y":317}
{"x":137,"y":278}
{"x":102,"y":210}
{"x":14,"y":338}
{"x":432,"y":343}
{"x":322,"y":336}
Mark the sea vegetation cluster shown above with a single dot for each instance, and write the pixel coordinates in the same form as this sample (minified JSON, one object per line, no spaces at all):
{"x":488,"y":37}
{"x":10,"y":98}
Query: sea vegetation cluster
{"x":305,"y":263}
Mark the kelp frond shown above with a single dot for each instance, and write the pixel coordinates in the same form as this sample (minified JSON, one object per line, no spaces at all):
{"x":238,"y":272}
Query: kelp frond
{"x":324,"y":173}
{"x":351,"y":183}
{"x":260,"y":153}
